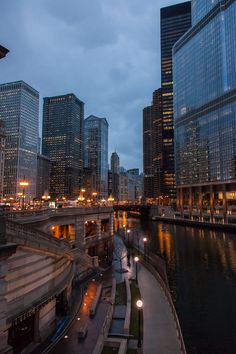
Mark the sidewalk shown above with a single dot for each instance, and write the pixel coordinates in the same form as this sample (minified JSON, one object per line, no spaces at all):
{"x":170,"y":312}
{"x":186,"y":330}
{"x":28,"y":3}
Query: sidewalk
{"x":160,"y":335}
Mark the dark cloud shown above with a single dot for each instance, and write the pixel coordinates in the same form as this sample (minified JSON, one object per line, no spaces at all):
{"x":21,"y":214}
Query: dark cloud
{"x":105,"y":51}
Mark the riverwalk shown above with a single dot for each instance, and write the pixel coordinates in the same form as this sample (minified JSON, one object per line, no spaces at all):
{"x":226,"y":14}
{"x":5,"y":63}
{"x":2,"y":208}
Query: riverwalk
{"x":160,"y":334}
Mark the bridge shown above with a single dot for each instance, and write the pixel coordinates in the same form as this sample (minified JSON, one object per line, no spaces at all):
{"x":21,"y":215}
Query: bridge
{"x":143,"y":210}
{"x":42,"y":255}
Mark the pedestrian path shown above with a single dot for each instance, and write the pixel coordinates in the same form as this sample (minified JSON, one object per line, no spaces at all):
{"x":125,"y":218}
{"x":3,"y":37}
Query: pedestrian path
{"x":160,"y":334}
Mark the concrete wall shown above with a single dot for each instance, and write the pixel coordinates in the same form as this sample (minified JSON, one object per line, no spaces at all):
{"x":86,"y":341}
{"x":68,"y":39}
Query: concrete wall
{"x":31,"y":277}
{"x":47,"y":317}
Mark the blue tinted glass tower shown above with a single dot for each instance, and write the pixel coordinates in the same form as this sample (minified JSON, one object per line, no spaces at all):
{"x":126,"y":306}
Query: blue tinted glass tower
{"x":205,"y":111}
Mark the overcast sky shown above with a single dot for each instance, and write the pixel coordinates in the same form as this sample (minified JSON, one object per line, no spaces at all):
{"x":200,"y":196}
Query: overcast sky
{"x":107,"y":52}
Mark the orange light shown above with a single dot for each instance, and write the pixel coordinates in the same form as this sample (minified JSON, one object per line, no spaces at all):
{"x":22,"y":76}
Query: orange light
{"x":24,"y":183}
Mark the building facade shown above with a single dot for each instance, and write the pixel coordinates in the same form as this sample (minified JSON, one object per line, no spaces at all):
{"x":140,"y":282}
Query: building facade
{"x":96,"y":151}
{"x":63,"y":118}
{"x":19,"y":109}
{"x":43,"y":176}
{"x":205,"y":112}
{"x":2,"y":155}
{"x":115,"y":170}
{"x":175,"y":21}
{"x":152,"y":147}
{"x":148,"y":152}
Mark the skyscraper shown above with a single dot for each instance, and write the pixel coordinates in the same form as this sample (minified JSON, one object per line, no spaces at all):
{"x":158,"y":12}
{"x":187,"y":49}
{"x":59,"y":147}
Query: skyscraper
{"x":152,"y":147}
{"x":148,"y":152}
{"x":2,"y":154}
{"x":43,"y":176}
{"x":205,"y":111}
{"x":96,"y":151}
{"x":115,"y":171}
{"x":115,"y":163}
{"x":175,"y":21}
{"x":19,"y":106}
{"x":63,"y":118}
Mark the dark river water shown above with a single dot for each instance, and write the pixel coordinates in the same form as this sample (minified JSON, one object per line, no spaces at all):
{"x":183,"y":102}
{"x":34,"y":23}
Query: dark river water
{"x":201,"y":268}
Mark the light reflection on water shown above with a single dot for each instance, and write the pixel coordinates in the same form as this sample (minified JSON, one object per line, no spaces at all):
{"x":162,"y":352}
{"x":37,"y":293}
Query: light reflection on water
{"x":201,"y":267}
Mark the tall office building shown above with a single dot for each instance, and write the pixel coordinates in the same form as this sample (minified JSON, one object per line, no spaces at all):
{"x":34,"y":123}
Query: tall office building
{"x":205,"y":109}
{"x":43,"y":176}
{"x":148,"y":152}
{"x":63,"y":118}
{"x":175,"y":21}
{"x":2,"y":155}
{"x":19,"y":109}
{"x":115,"y":163}
{"x":96,"y":151}
{"x":152,"y":147}
{"x":115,"y":171}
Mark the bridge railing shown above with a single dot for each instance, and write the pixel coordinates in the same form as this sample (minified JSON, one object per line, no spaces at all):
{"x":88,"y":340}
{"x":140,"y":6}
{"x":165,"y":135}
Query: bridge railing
{"x":82,"y":210}
{"x":25,"y":235}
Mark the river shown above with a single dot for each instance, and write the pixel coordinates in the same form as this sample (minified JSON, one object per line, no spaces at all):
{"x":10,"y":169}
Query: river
{"x":201,"y":268}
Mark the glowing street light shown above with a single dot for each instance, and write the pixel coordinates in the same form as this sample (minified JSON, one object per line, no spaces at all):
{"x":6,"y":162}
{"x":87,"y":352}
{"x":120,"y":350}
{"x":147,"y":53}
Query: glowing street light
{"x":23,"y":183}
{"x":128,"y":232}
{"x":139,"y":305}
{"x":136,"y":259}
{"x":145,"y":247}
{"x":110,"y":199}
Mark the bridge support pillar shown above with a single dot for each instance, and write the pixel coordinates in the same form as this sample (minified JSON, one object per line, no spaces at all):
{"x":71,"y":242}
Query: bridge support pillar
{"x":111,"y":228}
{"x":79,"y":233}
{"x":98,"y":230}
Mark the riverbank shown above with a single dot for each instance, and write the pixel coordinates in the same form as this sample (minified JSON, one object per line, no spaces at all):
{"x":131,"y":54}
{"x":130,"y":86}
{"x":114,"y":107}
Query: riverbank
{"x":195,"y":223}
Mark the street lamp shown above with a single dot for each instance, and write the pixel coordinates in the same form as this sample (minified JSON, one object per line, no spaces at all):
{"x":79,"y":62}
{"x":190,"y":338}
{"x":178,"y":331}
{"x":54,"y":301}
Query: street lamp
{"x":124,"y":228}
{"x":94,"y":194}
{"x":23,"y":183}
{"x":144,"y":244}
{"x":46,"y":198}
{"x":128,"y":232}
{"x":110,"y":199}
{"x":139,"y":305}
{"x":136,"y":259}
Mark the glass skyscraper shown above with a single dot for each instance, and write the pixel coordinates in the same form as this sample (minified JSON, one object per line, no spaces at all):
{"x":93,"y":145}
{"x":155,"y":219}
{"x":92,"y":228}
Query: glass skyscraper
{"x":96,"y":151}
{"x":19,"y":109}
{"x":63,"y":118}
{"x":175,"y":21}
{"x":205,"y":110}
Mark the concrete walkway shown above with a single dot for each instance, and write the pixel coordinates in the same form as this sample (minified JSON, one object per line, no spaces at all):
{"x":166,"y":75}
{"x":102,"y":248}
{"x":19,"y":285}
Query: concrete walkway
{"x":160,"y":335}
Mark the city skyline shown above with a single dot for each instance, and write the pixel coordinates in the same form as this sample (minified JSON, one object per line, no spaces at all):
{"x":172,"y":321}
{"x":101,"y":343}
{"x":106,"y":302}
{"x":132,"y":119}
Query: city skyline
{"x":113,"y":71}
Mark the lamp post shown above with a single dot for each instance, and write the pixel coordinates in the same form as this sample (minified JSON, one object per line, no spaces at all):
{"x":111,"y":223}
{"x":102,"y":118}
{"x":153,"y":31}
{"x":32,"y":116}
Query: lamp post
{"x":128,"y":232}
{"x":136,"y":259}
{"x":144,"y":247}
{"x":94,"y":195}
{"x":23,"y":183}
{"x":46,"y":198}
{"x":124,"y":228}
{"x":139,"y":305}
